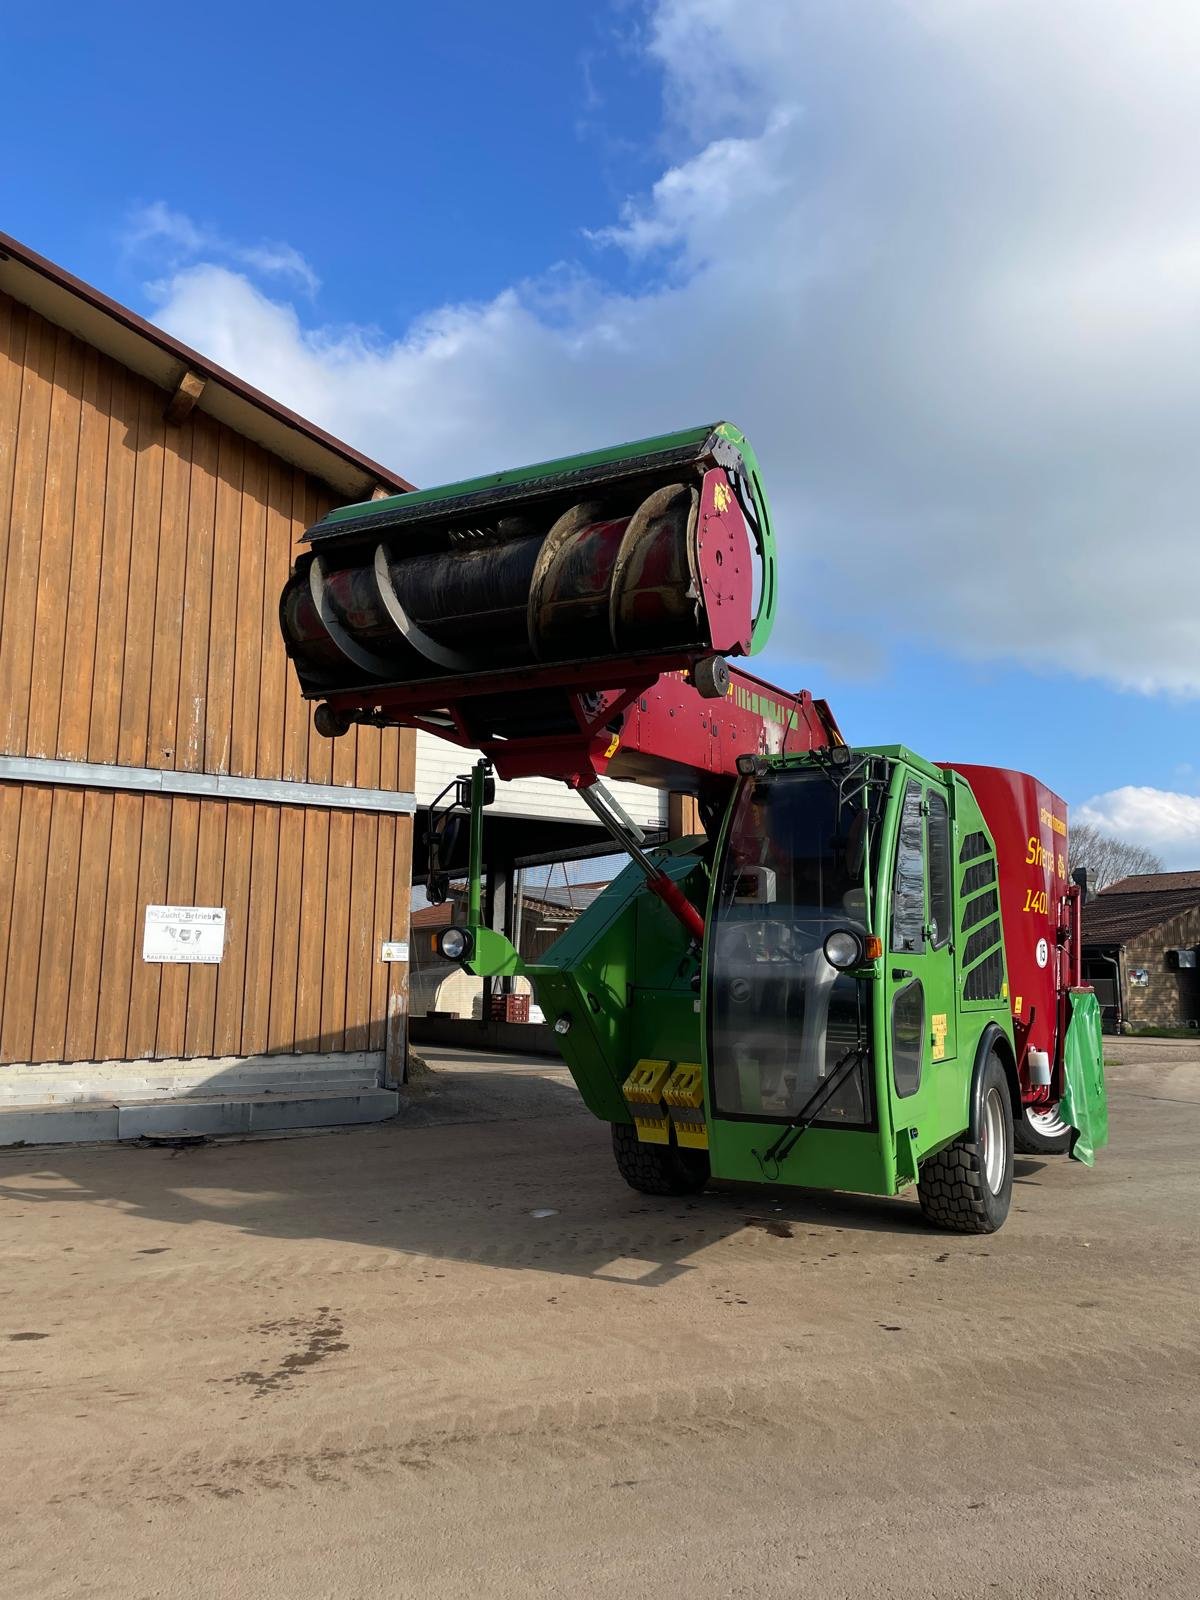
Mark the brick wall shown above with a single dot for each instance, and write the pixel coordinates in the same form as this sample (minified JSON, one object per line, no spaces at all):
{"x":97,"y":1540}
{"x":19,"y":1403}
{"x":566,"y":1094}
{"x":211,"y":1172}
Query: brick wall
{"x":1170,"y":999}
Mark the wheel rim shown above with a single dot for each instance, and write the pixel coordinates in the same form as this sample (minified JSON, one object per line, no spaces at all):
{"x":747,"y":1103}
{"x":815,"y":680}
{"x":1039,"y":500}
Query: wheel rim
{"x":993,"y":1140}
{"x":1046,"y":1121}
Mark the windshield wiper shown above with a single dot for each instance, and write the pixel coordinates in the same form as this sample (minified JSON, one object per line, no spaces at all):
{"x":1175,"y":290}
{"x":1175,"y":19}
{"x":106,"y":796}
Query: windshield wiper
{"x":808,"y":1113}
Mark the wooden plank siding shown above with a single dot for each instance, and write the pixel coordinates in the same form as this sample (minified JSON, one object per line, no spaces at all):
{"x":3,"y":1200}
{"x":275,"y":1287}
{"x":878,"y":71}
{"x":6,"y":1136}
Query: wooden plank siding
{"x":140,"y":569}
{"x":301,"y":970}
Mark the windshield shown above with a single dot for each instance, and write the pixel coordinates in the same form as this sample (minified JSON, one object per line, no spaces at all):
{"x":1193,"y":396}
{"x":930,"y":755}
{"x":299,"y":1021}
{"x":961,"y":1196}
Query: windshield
{"x":800,"y":849}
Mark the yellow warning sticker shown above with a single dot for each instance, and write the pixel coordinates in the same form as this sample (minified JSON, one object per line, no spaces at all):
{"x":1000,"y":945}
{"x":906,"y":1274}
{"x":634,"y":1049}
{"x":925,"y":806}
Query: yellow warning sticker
{"x":1017,"y":1006}
{"x":721,"y":498}
{"x":938,"y":1023}
{"x":612,"y":749}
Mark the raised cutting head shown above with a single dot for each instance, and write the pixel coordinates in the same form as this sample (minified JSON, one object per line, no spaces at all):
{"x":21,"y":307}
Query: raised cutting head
{"x":591,"y":573}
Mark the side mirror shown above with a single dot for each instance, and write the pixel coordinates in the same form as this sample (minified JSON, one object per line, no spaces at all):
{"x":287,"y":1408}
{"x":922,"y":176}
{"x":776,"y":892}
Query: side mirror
{"x":463,"y":797}
{"x":437,"y":888}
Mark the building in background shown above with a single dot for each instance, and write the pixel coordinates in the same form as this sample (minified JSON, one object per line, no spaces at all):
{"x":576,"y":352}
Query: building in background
{"x":162,"y":791}
{"x":1141,"y":951}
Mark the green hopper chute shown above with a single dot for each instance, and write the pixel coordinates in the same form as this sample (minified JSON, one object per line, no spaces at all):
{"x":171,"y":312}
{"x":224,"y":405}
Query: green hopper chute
{"x":1084,"y":1104}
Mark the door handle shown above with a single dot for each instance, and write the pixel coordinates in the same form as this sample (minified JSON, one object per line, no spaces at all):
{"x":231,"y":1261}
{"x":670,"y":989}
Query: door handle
{"x":899,"y":973}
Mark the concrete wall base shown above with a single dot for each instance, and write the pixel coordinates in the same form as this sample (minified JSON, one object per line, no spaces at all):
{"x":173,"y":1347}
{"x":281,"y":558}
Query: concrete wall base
{"x":54,"y":1083}
{"x":85,"y":1101}
{"x":213,"y":1117}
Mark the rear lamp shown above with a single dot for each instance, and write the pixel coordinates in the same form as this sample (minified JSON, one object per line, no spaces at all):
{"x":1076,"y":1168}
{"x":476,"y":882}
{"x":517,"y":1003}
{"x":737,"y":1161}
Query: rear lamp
{"x":751,"y":766}
{"x":841,"y":755}
{"x":455,"y":944}
{"x":844,"y":949}
{"x":563,"y":1024}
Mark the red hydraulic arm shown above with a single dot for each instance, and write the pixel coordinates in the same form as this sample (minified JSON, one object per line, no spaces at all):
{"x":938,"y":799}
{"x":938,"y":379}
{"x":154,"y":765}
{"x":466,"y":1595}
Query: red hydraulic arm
{"x":663,"y":733}
{"x":657,"y":730}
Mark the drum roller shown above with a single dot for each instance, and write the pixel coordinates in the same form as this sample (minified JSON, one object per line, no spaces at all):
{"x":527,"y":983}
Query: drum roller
{"x":652,"y":550}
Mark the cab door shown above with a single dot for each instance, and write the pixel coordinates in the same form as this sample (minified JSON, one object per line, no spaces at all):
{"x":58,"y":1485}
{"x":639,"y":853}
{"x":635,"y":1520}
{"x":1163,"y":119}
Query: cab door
{"x":919,"y":973}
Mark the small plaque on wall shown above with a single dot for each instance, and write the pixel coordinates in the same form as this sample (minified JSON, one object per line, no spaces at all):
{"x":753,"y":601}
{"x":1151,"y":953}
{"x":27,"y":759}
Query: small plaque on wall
{"x":184,"y":933}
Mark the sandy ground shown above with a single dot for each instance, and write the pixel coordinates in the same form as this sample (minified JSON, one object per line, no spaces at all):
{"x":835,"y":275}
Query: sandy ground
{"x":364,"y":1365}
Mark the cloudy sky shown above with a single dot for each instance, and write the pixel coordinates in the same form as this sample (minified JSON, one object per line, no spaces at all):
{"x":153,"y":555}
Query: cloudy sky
{"x":940,"y":259}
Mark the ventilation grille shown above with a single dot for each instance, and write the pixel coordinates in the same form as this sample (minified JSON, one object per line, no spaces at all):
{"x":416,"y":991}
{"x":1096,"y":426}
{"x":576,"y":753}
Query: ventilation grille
{"x":978,"y":910}
{"x":981,"y":940}
{"x":984,"y":981}
{"x":978,"y":876}
{"x":983,"y":952}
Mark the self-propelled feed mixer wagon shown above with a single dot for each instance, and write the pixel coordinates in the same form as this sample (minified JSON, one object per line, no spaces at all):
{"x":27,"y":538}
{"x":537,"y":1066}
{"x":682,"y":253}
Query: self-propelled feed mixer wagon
{"x":863,"y":974}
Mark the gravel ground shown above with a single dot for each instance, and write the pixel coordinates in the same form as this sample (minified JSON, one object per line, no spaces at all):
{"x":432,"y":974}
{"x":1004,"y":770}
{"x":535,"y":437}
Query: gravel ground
{"x":455,"y":1356}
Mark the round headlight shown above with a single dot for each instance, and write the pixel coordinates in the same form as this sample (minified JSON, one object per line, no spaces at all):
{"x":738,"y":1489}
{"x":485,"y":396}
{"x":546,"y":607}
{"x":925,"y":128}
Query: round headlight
{"x":843,"y":949}
{"x":455,"y":944}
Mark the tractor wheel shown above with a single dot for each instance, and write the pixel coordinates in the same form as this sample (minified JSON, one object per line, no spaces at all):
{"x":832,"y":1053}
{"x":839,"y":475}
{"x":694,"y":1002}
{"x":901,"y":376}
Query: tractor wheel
{"x":657,"y":1168}
{"x":967,"y":1186}
{"x":1040,"y":1131}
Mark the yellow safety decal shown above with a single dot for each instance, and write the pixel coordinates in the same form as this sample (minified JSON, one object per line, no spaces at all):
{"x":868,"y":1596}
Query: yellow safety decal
{"x":612,"y":749}
{"x":684,"y":1097}
{"x":1017,"y":1006}
{"x":643,"y":1091}
{"x":691,"y":1135}
{"x":645,"y":1083}
{"x":938,"y":1022}
{"x":653,"y":1130}
{"x":721,"y":498}
{"x":662,"y":1095}
{"x":684,"y":1086}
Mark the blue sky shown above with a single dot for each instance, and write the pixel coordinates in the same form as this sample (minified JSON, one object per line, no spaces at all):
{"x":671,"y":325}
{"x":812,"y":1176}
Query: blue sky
{"x":940,"y":261}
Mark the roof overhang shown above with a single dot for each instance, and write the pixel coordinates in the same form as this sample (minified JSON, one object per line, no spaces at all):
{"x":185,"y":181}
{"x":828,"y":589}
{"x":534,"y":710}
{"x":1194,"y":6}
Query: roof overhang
{"x":117,"y":332}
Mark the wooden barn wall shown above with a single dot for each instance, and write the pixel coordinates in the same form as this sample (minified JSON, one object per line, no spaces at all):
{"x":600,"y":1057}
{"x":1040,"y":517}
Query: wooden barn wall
{"x":309,"y":895}
{"x":140,"y":570}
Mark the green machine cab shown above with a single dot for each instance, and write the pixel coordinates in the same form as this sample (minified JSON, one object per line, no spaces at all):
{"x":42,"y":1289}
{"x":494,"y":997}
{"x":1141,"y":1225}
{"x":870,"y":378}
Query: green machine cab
{"x":836,"y":1030}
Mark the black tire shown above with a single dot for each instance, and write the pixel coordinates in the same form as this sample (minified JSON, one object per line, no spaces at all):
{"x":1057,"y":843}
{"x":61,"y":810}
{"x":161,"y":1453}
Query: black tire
{"x":953,"y":1185}
{"x":1031,"y":1140}
{"x":657,"y":1168}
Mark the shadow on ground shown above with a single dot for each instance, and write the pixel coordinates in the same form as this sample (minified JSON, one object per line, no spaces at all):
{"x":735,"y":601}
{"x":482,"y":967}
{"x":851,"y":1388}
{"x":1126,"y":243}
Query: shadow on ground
{"x":501,"y":1166}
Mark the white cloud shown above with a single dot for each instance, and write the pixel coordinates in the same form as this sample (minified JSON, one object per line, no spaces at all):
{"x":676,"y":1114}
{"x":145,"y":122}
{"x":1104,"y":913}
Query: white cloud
{"x":157,"y":227}
{"x":1159,"y":819}
{"x":173,"y":241}
{"x":694,"y":208}
{"x":939,"y":259}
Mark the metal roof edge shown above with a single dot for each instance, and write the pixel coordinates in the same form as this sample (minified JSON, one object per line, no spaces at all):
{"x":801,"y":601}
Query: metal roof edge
{"x":68,"y":302}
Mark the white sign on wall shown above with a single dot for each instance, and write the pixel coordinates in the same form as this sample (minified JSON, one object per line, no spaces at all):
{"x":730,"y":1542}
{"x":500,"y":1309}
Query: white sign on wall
{"x":394,"y":950}
{"x":184,"y":933}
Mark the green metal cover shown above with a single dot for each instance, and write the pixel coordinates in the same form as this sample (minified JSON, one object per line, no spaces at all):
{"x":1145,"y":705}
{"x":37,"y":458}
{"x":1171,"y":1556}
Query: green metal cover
{"x":1084,"y":1104}
{"x":687,"y":439}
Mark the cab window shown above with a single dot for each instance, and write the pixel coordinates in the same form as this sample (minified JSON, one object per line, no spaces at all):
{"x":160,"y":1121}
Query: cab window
{"x":937,"y":831}
{"x":908,"y":883}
